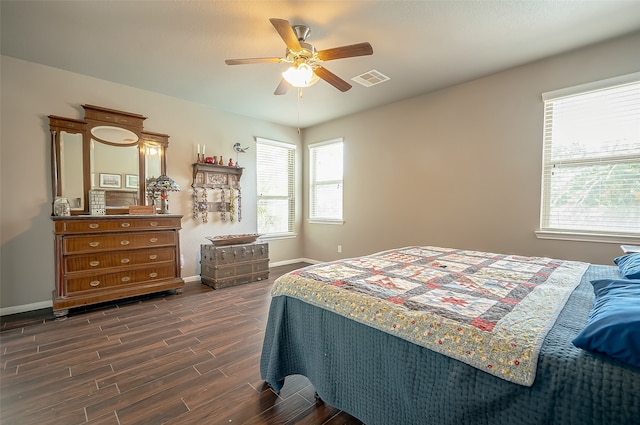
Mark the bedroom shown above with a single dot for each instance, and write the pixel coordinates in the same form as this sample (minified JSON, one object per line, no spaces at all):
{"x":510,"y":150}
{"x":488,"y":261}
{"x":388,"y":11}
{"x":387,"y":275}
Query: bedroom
{"x":479,"y":159}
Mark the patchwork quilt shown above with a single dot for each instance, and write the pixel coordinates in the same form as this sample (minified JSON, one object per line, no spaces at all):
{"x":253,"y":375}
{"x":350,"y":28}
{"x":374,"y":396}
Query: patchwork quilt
{"x":491,"y":311}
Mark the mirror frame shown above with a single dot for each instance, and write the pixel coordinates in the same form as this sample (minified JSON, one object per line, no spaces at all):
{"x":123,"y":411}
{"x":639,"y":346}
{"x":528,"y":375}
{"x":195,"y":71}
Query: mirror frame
{"x":96,"y":116}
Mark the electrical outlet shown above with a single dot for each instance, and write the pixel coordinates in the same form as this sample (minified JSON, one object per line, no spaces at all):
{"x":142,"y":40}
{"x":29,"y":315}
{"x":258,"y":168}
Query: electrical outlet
{"x":339,"y":249}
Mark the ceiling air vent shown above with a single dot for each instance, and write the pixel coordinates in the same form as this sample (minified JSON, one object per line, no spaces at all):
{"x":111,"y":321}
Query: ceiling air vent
{"x":370,"y":78}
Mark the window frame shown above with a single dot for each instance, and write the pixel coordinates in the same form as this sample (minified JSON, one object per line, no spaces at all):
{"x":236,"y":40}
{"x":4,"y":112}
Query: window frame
{"x":313,"y":218}
{"x":546,"y":231}
{"x":291,"y":183}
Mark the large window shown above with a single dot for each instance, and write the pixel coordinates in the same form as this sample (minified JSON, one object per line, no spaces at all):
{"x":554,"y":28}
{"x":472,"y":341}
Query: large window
{"x":591,"y":165}
{"x":275,"y":170}
{"x":325,"y":181}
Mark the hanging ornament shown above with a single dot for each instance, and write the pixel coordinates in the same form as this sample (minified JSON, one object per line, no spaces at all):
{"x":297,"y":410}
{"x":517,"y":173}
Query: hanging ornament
{"x":196,"y":204}
{"x":232,"y":205}
{"x":223,"y":206}
{"x":239,"y":205}
{"x":204,"y":206}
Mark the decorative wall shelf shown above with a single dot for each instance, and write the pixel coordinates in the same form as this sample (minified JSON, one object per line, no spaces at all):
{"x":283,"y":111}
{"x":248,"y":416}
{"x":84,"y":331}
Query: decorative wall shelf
{"x":218,"y":182}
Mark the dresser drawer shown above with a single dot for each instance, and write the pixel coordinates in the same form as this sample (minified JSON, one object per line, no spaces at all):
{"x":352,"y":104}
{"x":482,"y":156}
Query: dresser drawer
{"x":107,"y":280}
{"x":116,"y":225}
{"x":100,"y":243}
{"x":79,"y":263}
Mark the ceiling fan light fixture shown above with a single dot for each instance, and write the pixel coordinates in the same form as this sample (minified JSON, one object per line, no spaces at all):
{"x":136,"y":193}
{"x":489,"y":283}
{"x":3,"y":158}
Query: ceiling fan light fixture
{"x":300,"y":75}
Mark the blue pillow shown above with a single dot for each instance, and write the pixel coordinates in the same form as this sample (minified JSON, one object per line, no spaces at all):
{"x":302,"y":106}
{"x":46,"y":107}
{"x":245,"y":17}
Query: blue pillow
{"x":613,"y":327}
{"x":629,"y":265}
{"x":599,"y":284}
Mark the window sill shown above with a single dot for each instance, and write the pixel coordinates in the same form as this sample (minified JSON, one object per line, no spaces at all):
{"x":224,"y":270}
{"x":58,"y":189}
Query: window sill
{"x":324,"y":221}
{"x":587,"y":237}
{"x":274,"y":236}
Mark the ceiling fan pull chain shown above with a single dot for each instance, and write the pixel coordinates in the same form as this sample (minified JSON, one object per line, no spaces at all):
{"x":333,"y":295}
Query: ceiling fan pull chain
{"x":299,"y":97}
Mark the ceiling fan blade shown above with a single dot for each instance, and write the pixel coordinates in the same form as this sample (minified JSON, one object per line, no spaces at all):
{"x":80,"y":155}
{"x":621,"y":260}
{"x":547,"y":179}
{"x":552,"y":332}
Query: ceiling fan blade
{"x":247,"y":61}
{"x":360,"y":49}
{"x":332,"y":79}
{"x":286,"y":32}
{"x":282,"y":87}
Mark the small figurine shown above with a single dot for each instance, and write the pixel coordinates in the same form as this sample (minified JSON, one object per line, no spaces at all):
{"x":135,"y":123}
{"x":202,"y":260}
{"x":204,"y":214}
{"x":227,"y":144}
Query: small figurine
{"x":230,"y":164}
{"x":209,"y":160}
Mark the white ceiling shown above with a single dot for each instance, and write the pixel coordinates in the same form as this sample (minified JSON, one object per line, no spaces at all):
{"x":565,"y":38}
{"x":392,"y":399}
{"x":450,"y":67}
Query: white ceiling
{"x":178,"y":47}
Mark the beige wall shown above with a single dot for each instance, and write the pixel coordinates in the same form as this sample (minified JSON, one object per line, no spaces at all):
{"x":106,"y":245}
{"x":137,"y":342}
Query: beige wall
{"x":460,"y":167}
{"x":30,"y":92}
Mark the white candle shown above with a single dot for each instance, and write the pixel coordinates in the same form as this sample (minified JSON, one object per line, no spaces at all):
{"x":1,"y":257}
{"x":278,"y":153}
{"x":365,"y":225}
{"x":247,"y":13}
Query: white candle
{"x":203,"y":147}
{"x":198,"y":147}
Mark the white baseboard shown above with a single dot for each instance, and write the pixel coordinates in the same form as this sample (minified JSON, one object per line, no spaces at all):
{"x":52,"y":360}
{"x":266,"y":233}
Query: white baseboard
{"x":25,"y":307}
{"x":48,"y":304}
{"x":297,"y":260}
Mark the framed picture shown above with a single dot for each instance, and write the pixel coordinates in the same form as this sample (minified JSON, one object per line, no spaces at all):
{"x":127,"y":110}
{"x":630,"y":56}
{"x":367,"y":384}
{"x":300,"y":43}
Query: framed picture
{"x":111,"y":180}
{"x":131,"y":181}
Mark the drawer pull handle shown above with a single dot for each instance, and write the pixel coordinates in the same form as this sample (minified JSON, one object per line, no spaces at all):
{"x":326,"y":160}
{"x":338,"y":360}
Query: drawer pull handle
{"x":94,"y":226}
{"x":154,"y":274}
{"x":153,"y":257}
{"x":125,"y":242}
{"x":94,"y":244}
{"x":124,"y":260}
{"x":126,"y":279}
{"x":125,"y":224}
{"x":94,"y":283}
{"x":153,"y":223}
{"x":153,"y":240}
{"x":94,"y":263}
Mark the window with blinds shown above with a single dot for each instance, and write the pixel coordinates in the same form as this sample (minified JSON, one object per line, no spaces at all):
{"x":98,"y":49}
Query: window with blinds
{"x":325,"y":181}
{"x":275,"y":171}
{"x":591,"y":159}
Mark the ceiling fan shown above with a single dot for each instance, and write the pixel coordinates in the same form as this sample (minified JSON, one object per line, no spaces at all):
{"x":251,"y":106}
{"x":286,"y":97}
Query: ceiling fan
{"x":305,"y":60}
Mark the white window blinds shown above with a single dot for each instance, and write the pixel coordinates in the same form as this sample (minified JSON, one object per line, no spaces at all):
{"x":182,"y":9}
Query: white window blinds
{"x":591,"y":163}
{"x":325,"y":178}
{"x":275,"y":171}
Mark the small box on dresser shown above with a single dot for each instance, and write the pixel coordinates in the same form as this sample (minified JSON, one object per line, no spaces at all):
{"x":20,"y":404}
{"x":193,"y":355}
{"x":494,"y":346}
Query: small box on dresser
{"x":229,"y":265}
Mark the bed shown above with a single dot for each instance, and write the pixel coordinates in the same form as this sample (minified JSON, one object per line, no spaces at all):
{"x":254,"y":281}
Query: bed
{"x":370,"y":336}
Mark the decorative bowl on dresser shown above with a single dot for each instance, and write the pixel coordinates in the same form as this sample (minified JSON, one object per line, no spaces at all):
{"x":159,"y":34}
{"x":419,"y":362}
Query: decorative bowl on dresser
{"x":105,"y":258}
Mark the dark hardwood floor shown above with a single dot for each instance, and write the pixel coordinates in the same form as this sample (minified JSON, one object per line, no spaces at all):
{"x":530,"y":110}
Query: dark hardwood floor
{"x":165,"y":359}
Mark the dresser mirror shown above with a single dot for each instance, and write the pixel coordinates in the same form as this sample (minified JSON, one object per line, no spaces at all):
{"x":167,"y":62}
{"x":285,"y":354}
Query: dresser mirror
{"x":107,"y":150}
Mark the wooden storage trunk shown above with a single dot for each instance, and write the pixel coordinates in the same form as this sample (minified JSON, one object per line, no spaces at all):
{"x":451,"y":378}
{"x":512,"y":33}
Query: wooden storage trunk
{"x":230,"y":265}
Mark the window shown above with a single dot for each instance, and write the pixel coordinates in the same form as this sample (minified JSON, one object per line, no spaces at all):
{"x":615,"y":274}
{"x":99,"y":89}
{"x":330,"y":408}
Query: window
{"x":275,"y":170}
{"x":591,"y":164}
{"x":325,"y":181}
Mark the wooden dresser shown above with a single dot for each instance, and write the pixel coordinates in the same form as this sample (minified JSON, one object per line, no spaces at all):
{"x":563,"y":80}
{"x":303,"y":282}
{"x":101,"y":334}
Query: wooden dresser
{"x":230,"y":265}
{"x":105,"y":258}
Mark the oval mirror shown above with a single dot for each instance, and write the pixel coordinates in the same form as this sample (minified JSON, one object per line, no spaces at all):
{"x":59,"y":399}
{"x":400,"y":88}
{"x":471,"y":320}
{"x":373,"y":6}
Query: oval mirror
{"x":116,"y":135}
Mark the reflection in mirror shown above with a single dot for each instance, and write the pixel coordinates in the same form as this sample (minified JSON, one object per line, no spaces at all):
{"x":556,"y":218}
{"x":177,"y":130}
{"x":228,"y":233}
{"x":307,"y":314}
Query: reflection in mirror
{"x":71,"y":171}
{"x":115,"y":170}
{"x":153,"y":159}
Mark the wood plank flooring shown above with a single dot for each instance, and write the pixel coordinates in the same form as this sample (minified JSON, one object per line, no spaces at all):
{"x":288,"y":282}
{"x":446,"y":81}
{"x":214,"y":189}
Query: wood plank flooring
{"x":163,"y":359}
